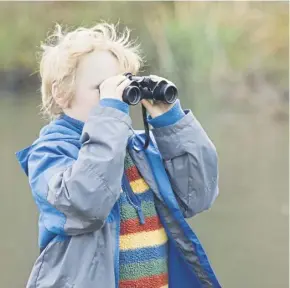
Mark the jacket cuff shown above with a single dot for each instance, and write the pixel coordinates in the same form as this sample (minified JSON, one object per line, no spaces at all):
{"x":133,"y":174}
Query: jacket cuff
{"x":115,"y":103}
{"x":168,"y":118}
{"x":109,"y":112}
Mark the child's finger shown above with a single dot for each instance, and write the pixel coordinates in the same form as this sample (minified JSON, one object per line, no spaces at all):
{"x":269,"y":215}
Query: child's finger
{"x":113,"y":81}
{"x":117,"y":80}
{"x":123,"y":85}
{"x":147,"y":104}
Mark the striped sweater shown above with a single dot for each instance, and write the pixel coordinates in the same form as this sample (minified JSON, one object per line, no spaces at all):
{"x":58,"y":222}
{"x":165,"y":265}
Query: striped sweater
{"x":143,"y":241}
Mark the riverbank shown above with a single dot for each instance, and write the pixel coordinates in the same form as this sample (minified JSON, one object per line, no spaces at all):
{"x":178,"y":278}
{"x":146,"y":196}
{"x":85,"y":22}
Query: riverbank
{"x":17,"y":80}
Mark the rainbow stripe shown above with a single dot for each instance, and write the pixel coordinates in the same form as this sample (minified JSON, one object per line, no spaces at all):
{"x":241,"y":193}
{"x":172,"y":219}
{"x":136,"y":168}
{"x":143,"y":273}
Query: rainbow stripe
{"x":143,"y":248}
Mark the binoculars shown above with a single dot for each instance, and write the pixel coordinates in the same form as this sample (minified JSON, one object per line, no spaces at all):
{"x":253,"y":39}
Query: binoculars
{"x":145,"y":87}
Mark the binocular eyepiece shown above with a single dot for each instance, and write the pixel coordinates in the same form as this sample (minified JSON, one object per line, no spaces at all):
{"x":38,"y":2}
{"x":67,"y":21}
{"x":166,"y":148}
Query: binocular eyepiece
{"x":146,"y":88}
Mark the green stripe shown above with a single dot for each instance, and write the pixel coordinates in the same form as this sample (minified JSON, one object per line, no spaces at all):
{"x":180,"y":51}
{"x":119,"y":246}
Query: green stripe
{"x":143,"y":269}
{"x":128,"y":211}
{"x":128,"y":161}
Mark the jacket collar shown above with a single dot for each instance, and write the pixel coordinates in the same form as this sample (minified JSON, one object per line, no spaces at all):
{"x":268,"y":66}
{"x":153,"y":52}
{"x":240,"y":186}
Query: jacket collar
{"x":76,"y":125}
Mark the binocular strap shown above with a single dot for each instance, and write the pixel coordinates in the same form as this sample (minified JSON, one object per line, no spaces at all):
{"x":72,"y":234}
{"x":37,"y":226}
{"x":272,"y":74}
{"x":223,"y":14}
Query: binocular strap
{"x":146,"y":127}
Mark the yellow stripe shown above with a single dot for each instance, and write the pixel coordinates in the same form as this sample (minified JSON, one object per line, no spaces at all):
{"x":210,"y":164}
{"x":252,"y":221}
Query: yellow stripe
{"x":143,"y":239}
{"x":139,"y":186}
{"x":165,"y":286}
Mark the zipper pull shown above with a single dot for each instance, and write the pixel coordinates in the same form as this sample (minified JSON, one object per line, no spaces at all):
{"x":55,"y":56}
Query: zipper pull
{"x":141,"y":215}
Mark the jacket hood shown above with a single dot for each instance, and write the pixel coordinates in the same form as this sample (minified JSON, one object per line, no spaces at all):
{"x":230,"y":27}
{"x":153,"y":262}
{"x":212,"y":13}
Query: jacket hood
{"x":63,"y":128}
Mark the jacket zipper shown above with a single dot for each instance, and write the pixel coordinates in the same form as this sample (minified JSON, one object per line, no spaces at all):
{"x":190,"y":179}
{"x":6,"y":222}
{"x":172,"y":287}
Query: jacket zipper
{"x":133,"y":199}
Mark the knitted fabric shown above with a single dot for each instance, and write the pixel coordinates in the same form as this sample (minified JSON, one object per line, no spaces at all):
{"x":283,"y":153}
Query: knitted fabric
{"x":143,"y":247}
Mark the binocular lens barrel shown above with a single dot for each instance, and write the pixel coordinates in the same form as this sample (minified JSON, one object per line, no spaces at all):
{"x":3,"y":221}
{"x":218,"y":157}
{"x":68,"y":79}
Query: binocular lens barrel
{"x":146,"y":88}
{"x":132,"y":95}
{"x":168,"y":93}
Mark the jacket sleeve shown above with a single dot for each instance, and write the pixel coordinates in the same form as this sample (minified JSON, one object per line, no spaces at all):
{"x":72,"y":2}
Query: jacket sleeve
{"x":190,"y":160}
{"x":77,"y":195}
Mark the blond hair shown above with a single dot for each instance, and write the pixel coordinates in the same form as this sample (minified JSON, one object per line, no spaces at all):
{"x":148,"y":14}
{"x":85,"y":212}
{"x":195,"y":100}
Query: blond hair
{"x":62,"y":51}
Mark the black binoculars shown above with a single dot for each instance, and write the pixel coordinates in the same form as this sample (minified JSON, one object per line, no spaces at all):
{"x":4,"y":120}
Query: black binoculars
{"x":145,"y":87}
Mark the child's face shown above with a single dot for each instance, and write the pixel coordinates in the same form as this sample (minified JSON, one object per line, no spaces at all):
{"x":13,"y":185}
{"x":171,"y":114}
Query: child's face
{"x":92,"y":70}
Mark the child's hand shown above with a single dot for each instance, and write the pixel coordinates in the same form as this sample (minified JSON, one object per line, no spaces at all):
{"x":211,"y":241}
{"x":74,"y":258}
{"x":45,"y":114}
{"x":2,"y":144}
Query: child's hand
{"x":156,"y":108}
{"x":113,"y":87}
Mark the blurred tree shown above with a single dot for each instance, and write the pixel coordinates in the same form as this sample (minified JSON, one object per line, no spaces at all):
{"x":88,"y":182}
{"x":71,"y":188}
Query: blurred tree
{"x":227,"y":52}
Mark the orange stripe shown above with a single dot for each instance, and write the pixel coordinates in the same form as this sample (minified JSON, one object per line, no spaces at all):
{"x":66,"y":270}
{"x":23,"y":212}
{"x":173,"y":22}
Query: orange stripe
{"x":132,"y":173}
{"x":155,"y":281}
{"x":133,"y":225}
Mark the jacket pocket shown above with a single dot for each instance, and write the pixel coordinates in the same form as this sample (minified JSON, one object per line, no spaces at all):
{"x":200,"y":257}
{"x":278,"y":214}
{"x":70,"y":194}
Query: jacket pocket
{"x":35,"y":275}
{"x":49,"y":263}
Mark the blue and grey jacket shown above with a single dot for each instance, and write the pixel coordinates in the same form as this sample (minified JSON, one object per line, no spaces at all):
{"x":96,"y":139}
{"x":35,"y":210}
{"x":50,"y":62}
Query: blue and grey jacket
{"x":75,"y":172}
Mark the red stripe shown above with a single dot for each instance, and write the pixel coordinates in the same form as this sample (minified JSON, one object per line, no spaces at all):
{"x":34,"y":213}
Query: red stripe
{"x":134,"y":226}
{"x":132,"y":173}
{"x":155,"y":281}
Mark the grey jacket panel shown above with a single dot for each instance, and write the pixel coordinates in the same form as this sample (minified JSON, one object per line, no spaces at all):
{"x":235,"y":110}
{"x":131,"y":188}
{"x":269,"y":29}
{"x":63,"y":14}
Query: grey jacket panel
{"x":84,"y":261}
{"x":87,"y":190}
{"x":191,"y":162}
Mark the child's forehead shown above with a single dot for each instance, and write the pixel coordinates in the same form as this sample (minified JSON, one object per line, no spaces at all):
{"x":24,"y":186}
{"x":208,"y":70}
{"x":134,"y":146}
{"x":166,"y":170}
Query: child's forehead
{"x":97,"y":66}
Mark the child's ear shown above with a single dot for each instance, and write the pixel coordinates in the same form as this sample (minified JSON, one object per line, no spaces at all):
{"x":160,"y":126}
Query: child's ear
{"x":59,"y":97}
{"x":54,"y":90}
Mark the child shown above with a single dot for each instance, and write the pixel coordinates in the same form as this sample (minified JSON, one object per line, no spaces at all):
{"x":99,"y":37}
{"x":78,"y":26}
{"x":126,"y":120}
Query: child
{"x":112,"y":214}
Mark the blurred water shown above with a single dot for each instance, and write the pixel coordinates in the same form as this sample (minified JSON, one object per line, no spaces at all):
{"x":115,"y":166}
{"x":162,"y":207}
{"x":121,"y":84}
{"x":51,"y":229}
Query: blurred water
{"x":245,"y":233}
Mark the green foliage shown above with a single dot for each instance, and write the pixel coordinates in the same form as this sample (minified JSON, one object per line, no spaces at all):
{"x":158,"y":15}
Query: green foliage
{"x":213,"y":49}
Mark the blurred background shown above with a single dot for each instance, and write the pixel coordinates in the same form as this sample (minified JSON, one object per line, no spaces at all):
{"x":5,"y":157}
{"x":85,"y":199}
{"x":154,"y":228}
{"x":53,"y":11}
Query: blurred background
{"x":230,"y":63}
